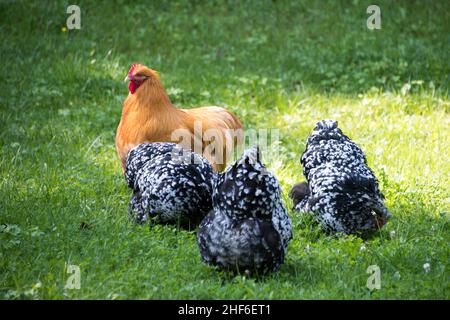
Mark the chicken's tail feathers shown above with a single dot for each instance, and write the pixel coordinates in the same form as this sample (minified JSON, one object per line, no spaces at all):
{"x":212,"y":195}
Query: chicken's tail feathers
{"x":235,"y":122}
{"x":232,"y":137}
{"x":233,"y":126}
{"x":327,"y":124}
{"x":299,"y":192}
{"x":221,"y":131}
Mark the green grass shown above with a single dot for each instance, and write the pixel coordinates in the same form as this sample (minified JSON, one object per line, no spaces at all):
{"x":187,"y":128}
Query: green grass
{"x":276,"y":64}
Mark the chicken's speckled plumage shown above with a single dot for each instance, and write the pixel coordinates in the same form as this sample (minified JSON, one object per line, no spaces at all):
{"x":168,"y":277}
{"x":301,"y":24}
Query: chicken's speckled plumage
{"x":248,"y":228}
{"x":170,"y":184}
{"x":342,"y":191}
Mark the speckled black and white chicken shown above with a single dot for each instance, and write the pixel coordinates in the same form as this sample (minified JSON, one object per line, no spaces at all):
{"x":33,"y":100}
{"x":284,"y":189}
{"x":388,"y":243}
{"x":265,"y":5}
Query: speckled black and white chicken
{"x":341,"y":190}
{"x":248,"y":229}
{"x":170,"y":184}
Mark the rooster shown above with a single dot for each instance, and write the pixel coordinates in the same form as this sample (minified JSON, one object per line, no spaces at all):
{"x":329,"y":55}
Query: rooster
{"x":149,"y":116}
{"x":342,"y":191}
{"x":248,"y":228}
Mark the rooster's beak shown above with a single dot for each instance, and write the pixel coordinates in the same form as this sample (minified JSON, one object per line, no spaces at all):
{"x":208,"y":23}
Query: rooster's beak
{"x":127,"y":78}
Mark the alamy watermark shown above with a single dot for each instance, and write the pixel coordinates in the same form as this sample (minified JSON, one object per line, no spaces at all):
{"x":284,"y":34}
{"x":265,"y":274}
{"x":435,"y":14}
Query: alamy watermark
{"x":374,"y":20}
{"x":220,"y":145}
{"x":374,"y":280}
{"x":74,"y":20}
{"x":74,"y":280}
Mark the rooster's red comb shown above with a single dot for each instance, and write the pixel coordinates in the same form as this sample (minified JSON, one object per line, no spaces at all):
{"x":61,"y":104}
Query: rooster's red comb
{"x":133,"y":67}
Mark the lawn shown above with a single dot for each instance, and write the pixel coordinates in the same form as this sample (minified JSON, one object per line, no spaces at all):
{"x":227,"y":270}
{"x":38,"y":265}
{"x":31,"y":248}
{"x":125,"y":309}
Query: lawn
{"x":278,"y":65}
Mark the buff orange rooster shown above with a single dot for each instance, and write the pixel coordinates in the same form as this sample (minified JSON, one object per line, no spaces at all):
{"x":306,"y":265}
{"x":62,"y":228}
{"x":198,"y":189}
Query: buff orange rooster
{"x":149,"y":116}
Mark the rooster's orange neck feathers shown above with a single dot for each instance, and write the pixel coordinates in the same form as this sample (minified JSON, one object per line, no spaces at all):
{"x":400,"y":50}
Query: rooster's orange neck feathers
{"x":149,"y":96}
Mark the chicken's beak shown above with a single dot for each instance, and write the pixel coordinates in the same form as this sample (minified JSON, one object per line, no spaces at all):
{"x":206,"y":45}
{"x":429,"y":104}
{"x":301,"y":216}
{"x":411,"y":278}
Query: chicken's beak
{"x":127,"y":78}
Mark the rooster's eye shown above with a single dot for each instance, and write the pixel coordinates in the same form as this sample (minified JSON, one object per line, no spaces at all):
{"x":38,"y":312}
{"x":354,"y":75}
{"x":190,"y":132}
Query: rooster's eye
{"x":139,"y":78}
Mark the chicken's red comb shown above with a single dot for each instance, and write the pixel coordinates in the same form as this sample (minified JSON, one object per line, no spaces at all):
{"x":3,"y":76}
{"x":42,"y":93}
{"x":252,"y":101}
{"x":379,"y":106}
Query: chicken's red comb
{"x":133,"y":66}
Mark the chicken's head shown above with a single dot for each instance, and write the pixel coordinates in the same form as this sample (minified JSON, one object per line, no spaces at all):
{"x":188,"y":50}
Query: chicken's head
{"x":137,"y":75}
